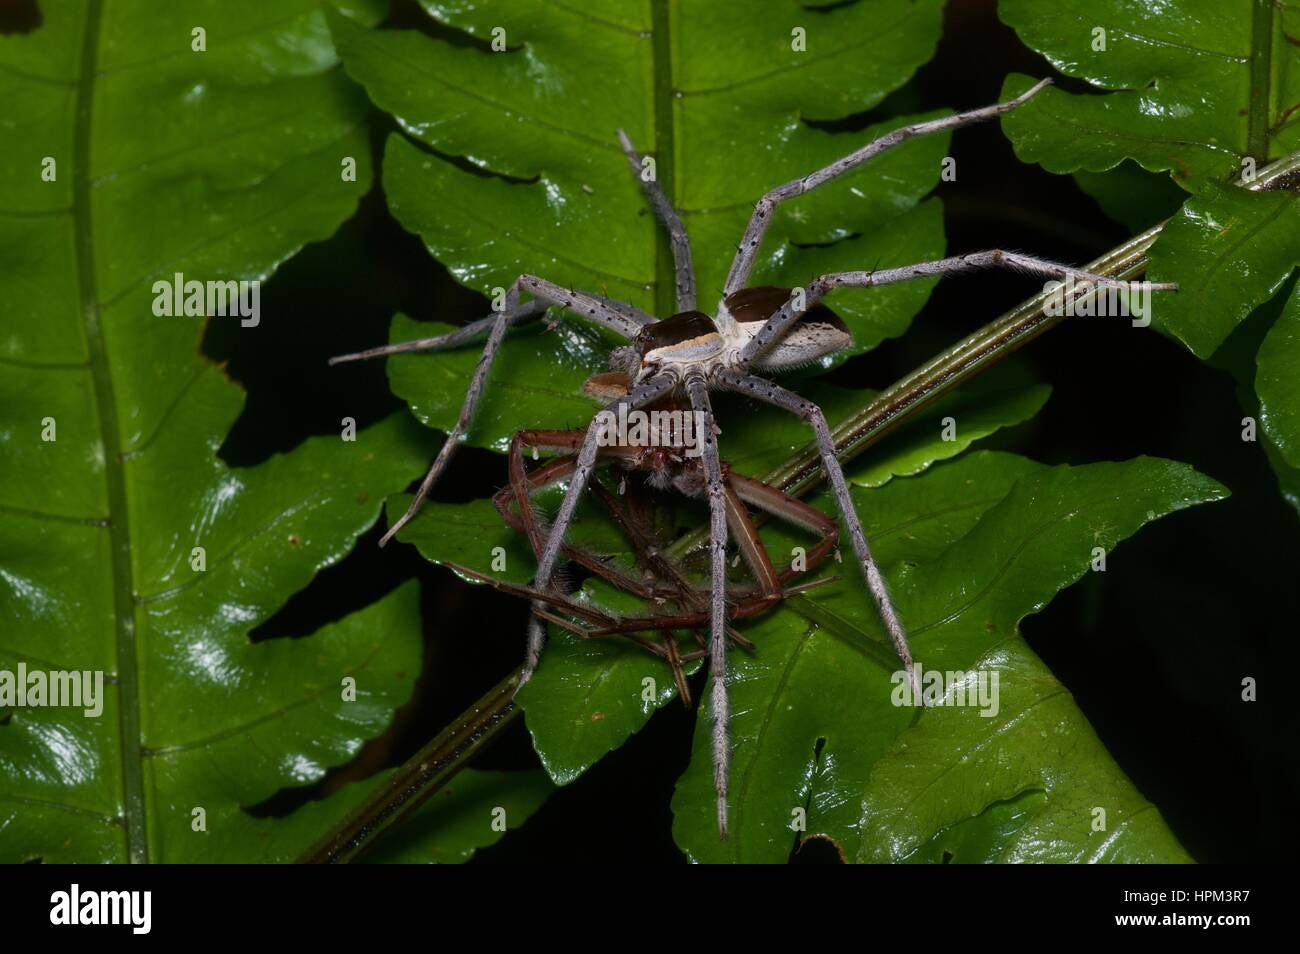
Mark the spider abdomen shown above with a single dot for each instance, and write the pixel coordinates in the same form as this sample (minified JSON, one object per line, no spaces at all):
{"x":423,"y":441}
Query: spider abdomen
{"x":815,"y":334}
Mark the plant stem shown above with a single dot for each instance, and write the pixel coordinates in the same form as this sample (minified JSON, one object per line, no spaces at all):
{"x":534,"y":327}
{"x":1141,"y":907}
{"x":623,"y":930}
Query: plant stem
{"x":1261,"y":75}
{"x":665,"y":151}
{"x":435,"y":764}
{"x":134,"y":816}
{"x":419,"y":777}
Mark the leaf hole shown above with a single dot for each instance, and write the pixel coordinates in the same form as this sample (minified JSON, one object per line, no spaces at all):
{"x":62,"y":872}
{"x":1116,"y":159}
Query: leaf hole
{"x":19,"y":16}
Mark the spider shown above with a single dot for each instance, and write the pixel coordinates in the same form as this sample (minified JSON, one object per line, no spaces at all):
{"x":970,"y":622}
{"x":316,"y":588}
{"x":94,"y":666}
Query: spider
{"x":684,"y":356}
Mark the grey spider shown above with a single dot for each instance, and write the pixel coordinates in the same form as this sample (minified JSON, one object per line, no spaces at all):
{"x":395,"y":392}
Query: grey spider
{"x":683,"y":356}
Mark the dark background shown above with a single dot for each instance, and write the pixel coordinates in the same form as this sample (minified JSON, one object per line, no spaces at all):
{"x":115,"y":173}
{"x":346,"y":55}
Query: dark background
{"x":1154,"y":650}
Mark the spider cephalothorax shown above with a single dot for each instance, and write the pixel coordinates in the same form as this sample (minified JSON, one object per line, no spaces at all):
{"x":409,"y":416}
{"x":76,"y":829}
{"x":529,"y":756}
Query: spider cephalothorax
{"x":680,"y":359}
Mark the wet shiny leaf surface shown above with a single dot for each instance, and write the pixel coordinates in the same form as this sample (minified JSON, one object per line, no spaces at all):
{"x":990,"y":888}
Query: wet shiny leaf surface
{"x":1176,"y":77}
{"x":1230,"y":250}
{"x":110,"y":422}
{"x":1278,"y":381}
{"x":476,"y":809}
{"x":971,"y":547}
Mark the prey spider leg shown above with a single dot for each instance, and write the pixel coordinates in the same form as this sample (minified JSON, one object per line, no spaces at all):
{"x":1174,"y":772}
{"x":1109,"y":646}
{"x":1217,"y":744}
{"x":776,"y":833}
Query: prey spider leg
{"x":737,"y":490}
{"x":664,"y":469}
{"x":789,"y":509}
{"x":600,"y":623}
{"x":525,"y":522}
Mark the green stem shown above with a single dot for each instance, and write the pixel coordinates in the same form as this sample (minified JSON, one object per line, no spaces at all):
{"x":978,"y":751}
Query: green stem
{"x":1261,"y":77}
{"x":665,"y":151}
{"x":419,"y":777}
{"x":119,"y":527}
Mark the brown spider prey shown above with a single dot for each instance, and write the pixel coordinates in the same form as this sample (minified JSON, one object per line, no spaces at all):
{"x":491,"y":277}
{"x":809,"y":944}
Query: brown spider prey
{"x":663,"y":582}
{"x":683,"y":356}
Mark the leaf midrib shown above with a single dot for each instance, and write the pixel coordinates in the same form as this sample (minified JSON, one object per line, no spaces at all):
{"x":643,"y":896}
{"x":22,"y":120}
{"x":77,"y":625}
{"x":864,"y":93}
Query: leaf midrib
{"x":665,"y":148}
{"x":1261,"y":76}
{"x":128,"y":676}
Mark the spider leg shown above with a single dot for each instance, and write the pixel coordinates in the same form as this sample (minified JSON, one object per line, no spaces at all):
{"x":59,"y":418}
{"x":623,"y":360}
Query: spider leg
{"x":773,"y":393}
{"x":672,"y":222}
{"x":452,"y":339}
{"x":542,"y":599}
{"x":651,"y":558}
{"x":667,"y":650}
{"x":522,"y":486}
{"x":679,"y":674}
{"x":802,"y":299}
{"x":619,"y":317}
{"x":587,"y":306}
{"x":746,"y":254}
{"x":602,"y":623}
{"x":748,"y":603}
{"x":742,"y":527}
{"x":792,"y":511}
{"x":551,"y":616}
{"x":643,"y":547}
{"x":638,"y":397}
{"x":546,"y":602}
{"x":647,"y":555}
{"x":721,"y":709}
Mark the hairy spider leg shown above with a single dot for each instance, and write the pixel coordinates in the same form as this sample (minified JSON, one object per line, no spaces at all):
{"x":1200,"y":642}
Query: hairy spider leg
{"x":773,"y":393}
{"x":804,"y":298}
{"x":452,"y":339}
{"x":720,"y":706}
{"x":622,"y":320}
{"x":681,"y":243}
{"x":761,"y":217}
